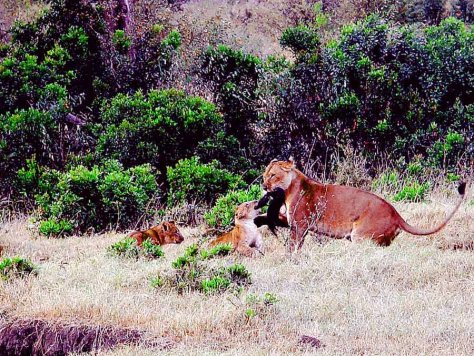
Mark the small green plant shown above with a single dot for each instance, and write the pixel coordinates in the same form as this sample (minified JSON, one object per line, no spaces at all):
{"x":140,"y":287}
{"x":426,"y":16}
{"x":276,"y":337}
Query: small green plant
{"x":157,"y":282}
{"x":54,"y":228}
{"x":219,"y":250}
{"x":452,"y":177}
{"x":125,"y":248}
{"x":121,"y":41}
{"x":128,"y":248}
{"x":16,"y":267}
{"x":188,"y":258}
{"x":152,"y":250}
{"x":192,"y":274}
{"x":215,"y":284}
{"x":412,"y":192}
{"x":389,"y":180}
{"x":259,"y":306}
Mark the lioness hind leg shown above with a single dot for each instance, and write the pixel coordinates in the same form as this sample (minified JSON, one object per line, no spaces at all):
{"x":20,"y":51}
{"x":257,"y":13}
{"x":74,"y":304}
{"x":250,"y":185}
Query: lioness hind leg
{"x":381,"y":236}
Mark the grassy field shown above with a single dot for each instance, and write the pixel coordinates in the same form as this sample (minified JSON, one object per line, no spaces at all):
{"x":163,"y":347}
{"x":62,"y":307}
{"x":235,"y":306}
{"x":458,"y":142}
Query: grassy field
{"x":414,"y":297}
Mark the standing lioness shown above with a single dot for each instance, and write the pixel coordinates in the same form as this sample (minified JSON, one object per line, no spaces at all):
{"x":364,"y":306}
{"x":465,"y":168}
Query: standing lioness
{"x":336,"y":210}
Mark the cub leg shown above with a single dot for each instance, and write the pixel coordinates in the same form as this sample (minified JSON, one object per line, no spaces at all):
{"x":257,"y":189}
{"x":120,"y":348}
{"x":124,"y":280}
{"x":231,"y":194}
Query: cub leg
{"x":245,"y":250}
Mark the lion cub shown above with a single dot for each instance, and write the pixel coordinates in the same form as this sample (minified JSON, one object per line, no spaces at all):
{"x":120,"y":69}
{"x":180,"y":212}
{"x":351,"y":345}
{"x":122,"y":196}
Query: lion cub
{"x":245,"y":235}
{"x":165,"y":233}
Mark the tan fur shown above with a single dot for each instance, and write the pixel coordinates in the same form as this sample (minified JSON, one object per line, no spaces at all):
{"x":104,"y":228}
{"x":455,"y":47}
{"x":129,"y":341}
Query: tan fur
{"x":335,"y":210}
{"x":245,"y":236}
{"x":165,"y":233}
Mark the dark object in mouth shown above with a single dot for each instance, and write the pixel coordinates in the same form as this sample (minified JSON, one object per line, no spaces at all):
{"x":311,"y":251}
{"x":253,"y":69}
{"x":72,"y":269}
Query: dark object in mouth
{"x":272,"y":218}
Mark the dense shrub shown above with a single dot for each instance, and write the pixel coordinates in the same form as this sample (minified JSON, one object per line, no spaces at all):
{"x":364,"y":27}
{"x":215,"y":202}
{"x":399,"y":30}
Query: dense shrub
{"x":159,"y":128}
{"x":380,"y":88}
{"x":191,"y":181}
{"x":234,"y":76}
{"x":222,"y":214}
{"x":25,"y":134}
{"x":84,"y":199}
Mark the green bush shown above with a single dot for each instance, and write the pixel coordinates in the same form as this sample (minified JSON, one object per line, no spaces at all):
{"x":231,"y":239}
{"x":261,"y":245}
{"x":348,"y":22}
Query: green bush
{"x":215,"y":284}
{"x":16,"y":267}
{"x":235,"y":76}
{"x":191,"y":181}
{"x":412,"y":192}
{"x":151,"y":250}
{"x":53,"y":227}
{"x":192,"y":274}
{"x":97,"y":198}
{"x":125,"y":248}
{"x":300,"y":39}
{"x":128,"y":248}
{"x":159,"y":128}
{"x":25,"y":134}
{"x":219,"y":250}
{"x":222,"y":214}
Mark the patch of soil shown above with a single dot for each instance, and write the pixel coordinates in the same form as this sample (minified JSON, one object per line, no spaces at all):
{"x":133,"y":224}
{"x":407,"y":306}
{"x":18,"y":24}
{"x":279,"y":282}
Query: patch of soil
{"x":38,"y":337}
{"x":460,"y":245}
{"x":311,"y":341}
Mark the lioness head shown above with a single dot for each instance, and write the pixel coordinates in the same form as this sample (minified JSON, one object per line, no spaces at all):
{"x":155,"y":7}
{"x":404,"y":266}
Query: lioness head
{"x":278,"y":174}
{"x":247,"y":211}
{"x":170,"y":233}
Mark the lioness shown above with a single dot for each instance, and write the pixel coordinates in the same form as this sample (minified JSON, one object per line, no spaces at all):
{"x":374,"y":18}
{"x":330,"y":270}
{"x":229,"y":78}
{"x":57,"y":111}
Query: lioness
{"x":245,"y":234}
{"x":337,"y":211}
{"x":165,"y":233}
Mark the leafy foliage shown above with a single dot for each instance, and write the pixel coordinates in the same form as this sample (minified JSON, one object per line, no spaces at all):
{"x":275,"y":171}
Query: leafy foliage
{"x":222,"y":214}
{"x":128,"y":248}
{"x":16,"y":267}
{"x":96,"y":198}
{"x":191,"y":181}
{"x":192,"y":274}
{"x":159,"y":128}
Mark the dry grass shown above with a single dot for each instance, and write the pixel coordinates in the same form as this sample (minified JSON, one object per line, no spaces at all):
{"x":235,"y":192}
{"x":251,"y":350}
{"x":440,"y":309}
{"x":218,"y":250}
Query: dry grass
{"x":414,"y":297}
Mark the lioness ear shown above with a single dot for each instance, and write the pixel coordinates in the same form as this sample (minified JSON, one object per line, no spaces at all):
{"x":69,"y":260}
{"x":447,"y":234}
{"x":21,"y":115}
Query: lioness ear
{"x":165,"y":227}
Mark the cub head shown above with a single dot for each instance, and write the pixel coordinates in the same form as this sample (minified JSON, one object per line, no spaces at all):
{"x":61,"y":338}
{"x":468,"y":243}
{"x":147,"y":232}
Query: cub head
{"x":278,"y":174}
{"x":247,"y":210}
{"x":170,"y":233}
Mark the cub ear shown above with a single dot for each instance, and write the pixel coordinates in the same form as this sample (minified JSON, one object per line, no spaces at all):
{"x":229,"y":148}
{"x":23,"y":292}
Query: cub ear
{"x":172,"y":222}
{"x":239,"y":214}
{"x":165,"y":227}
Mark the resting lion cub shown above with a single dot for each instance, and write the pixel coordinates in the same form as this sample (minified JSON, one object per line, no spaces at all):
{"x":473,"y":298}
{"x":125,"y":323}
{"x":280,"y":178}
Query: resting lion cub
{"x":245,"y":235}
{"x":165,"y":233}
{"x":336,"y":210}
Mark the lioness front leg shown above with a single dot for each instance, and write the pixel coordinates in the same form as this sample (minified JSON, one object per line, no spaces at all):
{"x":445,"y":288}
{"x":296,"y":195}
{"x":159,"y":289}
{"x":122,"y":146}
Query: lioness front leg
{"x":297,"y":235}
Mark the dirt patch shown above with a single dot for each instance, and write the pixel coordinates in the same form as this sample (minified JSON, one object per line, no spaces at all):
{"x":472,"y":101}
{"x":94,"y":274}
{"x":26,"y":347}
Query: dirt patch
{"x":458,"y":245}
{"x":310,"y":341}
{"x":38,"y":337}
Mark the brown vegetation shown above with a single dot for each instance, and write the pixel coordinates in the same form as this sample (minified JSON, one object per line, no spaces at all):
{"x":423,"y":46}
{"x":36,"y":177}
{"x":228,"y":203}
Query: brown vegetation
{"x":354,"y":298}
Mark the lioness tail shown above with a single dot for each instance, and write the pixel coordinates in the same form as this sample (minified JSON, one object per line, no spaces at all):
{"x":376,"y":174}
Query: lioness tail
{"x":416,"y":231}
